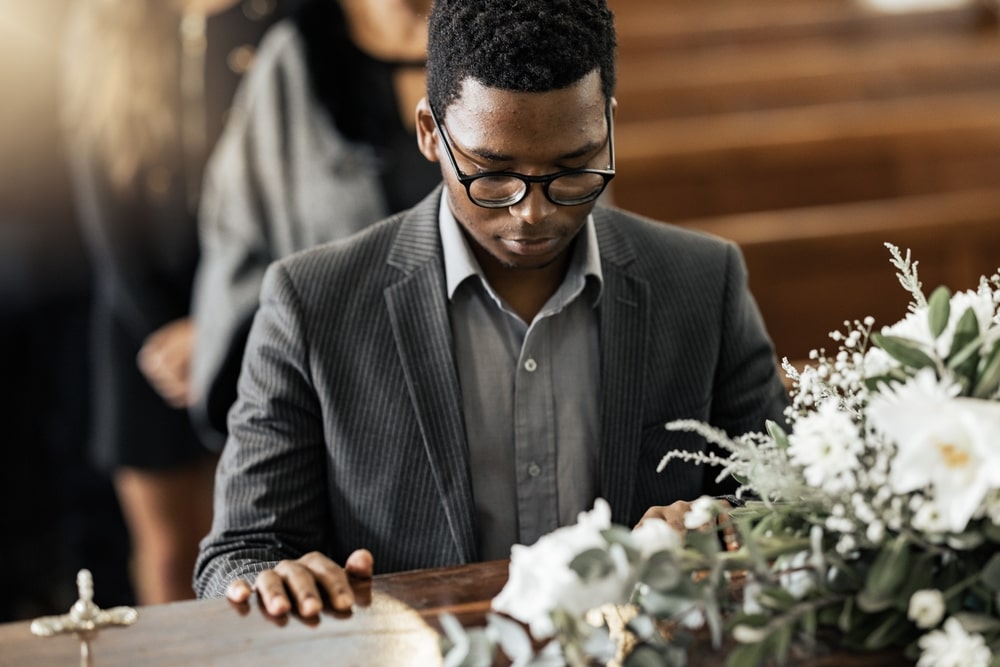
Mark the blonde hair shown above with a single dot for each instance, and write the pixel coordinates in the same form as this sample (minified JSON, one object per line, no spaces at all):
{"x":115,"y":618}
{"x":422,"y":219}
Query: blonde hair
{"x":120,"y":82}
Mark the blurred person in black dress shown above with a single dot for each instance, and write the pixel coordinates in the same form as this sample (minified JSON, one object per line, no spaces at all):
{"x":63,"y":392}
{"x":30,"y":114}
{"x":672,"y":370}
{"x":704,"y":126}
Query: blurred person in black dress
{"x":147,"y":83}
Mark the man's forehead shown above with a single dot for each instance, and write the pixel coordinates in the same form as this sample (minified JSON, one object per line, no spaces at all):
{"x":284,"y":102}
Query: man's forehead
{"x":480,"y":103}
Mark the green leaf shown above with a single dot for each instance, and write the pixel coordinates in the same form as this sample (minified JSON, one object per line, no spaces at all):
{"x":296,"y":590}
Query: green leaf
{"x":644,"y":656}
{"x":887,"y":632}
{"x":846,"y":616}
{"x":778,"y":434}
{"x":622,"y":536}
{"x":963,"y":357}
{"x":661,"y":572}
{"x":982,"y":624}
{"x":990,"y":576}
{"x":903,"y":350}
{"x":991,"y":531}
{"x":592,"y":564}
{"x":747,"y":655}
{"x":939,"y":310}
{"x":888,"y":571}
{"x":776,"y":598}
{"x":988,"y":379}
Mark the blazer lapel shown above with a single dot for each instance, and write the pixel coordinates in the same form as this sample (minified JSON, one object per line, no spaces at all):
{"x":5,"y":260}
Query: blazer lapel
{"x":624,"y":335}
{"x":418,"y":311}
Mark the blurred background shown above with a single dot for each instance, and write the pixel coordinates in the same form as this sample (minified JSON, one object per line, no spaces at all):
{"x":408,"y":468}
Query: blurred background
{"x":808,"y":131}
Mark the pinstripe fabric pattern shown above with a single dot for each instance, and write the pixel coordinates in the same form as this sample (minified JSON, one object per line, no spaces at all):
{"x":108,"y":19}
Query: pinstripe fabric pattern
{"x":348,"y":431}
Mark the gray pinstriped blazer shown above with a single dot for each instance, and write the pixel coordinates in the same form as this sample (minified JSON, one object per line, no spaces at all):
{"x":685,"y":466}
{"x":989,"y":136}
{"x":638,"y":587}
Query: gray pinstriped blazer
{"x":348,"y":430}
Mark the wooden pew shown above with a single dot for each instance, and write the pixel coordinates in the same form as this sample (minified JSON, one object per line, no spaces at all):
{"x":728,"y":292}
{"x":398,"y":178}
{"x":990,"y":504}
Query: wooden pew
{"x":812,"y":268}
{"x":646,"y":26}
{"x":674,"y":84}
{"x":834,"y":153}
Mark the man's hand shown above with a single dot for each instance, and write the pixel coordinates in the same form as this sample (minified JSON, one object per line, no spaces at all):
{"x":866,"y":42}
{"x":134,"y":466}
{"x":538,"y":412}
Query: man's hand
{"x":673,"y":514}
{"x":301,"y":584}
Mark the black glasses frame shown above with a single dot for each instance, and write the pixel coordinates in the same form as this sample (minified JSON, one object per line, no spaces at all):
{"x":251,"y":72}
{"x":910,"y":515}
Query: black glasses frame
{"x":467,"y":180}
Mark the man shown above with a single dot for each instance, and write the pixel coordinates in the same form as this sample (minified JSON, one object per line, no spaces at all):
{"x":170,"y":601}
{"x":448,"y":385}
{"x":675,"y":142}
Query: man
{"x":476,"y":371}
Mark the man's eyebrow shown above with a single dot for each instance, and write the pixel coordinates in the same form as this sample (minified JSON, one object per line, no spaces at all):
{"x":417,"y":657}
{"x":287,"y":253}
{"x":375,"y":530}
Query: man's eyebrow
{"x":487,"y":154}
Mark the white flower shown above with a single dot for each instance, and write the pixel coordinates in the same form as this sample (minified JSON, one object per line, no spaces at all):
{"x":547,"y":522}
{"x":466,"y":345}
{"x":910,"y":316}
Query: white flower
{"x":751,"y":597}
{"x":926,"y":608}
{"x":930,"y":519}
{"x":953,"y":647}
{"x":951,"y":445}
{"x":655,"y":535}
{"x":702,"y":513}
{"x":541,"y":580}
{"x":795,"y":575}
{"x":826,"y":444}
{"x":916,"y":325}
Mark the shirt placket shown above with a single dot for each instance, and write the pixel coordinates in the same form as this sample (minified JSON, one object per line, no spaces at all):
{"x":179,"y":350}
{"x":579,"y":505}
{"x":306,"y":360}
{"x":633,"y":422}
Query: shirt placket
{"x":535,"y":436}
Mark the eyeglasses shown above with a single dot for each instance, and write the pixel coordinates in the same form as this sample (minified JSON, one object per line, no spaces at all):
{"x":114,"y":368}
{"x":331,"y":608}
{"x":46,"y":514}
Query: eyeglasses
{"x":500,"y":189}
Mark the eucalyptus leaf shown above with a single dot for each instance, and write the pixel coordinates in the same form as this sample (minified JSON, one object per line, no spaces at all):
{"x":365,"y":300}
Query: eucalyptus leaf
{"x":776,"y":598}
{"x":888,"y":632}
{"x":661,"y":572}
{"x":747,"y":655}
{"x":511,"y":636}
{"x":904,"y":350}
{"x":846,"y":618}
{"x":622,"y":536}
{"x":978,"y":623}
{"x":963,"y":358}
{"x":777,"y":434}
{"x":887,"y":572}
{"x":939,"y":310}
{"x":991,"y":531}
{"x":779,"y":643}
{"x":645,"y":656}
{"x":988,"y":380}
{"x":990,"y":576}
{"x":592,"y":564}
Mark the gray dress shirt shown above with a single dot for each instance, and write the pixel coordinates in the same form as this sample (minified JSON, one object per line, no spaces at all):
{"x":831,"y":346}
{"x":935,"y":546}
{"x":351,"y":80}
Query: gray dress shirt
{"x":530,"y":394}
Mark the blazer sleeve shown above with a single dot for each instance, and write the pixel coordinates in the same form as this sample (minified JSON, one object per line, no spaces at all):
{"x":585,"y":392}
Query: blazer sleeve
{"x":271,"y":489}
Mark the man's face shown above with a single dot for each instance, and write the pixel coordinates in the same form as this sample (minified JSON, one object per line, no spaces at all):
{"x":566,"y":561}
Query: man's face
{"x":534,"y":134}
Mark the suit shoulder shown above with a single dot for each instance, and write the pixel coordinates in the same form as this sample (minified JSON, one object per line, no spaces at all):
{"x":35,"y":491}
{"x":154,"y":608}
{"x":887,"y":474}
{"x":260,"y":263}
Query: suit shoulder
{"x":649,"y":238}
{"x":352,"y":259}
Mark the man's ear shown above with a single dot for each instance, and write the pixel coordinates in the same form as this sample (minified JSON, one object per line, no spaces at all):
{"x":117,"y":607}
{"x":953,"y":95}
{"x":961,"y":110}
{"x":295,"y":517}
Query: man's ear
{"x":427,"y":137}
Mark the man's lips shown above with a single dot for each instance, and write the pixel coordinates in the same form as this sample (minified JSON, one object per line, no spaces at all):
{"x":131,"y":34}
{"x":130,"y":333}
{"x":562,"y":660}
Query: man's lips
{"x":530,"y":246}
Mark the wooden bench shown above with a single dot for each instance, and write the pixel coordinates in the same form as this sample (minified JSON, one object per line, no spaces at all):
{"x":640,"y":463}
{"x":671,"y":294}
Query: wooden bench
{"x":782,"y":158}
{"x":645,"y":26}
{"x":812,"y":268}
{"x":770,"y":77}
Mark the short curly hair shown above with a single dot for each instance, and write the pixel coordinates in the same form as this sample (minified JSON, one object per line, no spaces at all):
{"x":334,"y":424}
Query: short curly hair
{"x":519,"y":45}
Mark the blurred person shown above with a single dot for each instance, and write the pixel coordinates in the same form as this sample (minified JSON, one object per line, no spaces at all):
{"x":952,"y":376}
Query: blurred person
{"x":143,"y":102}
{"x":321,"y":143}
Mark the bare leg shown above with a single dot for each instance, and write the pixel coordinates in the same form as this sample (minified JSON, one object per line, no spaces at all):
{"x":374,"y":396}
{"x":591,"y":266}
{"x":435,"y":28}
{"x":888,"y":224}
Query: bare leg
{"x":167,"y":513}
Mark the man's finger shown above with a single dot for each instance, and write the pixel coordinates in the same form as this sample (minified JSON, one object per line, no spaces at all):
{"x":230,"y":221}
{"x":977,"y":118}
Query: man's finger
{"x":271,"y":589}
{"x":332,"y":578}
{"x":360,"y":564}
{"x":238,"y":591}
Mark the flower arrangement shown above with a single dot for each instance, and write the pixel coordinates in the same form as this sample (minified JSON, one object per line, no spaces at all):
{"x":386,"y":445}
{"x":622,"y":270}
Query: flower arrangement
{"x":874,"y":516}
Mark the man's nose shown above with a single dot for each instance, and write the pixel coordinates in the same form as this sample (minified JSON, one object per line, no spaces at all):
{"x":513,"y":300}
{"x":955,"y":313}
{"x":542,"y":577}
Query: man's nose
{"x":535,"y":206}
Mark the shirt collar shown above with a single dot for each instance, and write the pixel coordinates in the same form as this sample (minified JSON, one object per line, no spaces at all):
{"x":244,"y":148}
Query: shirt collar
{"x":460,"y":264}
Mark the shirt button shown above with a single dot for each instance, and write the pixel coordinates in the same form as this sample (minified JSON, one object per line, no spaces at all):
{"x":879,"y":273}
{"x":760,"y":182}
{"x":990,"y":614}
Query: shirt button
{"x":534,"y":470}
{"x":530,"y":365}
